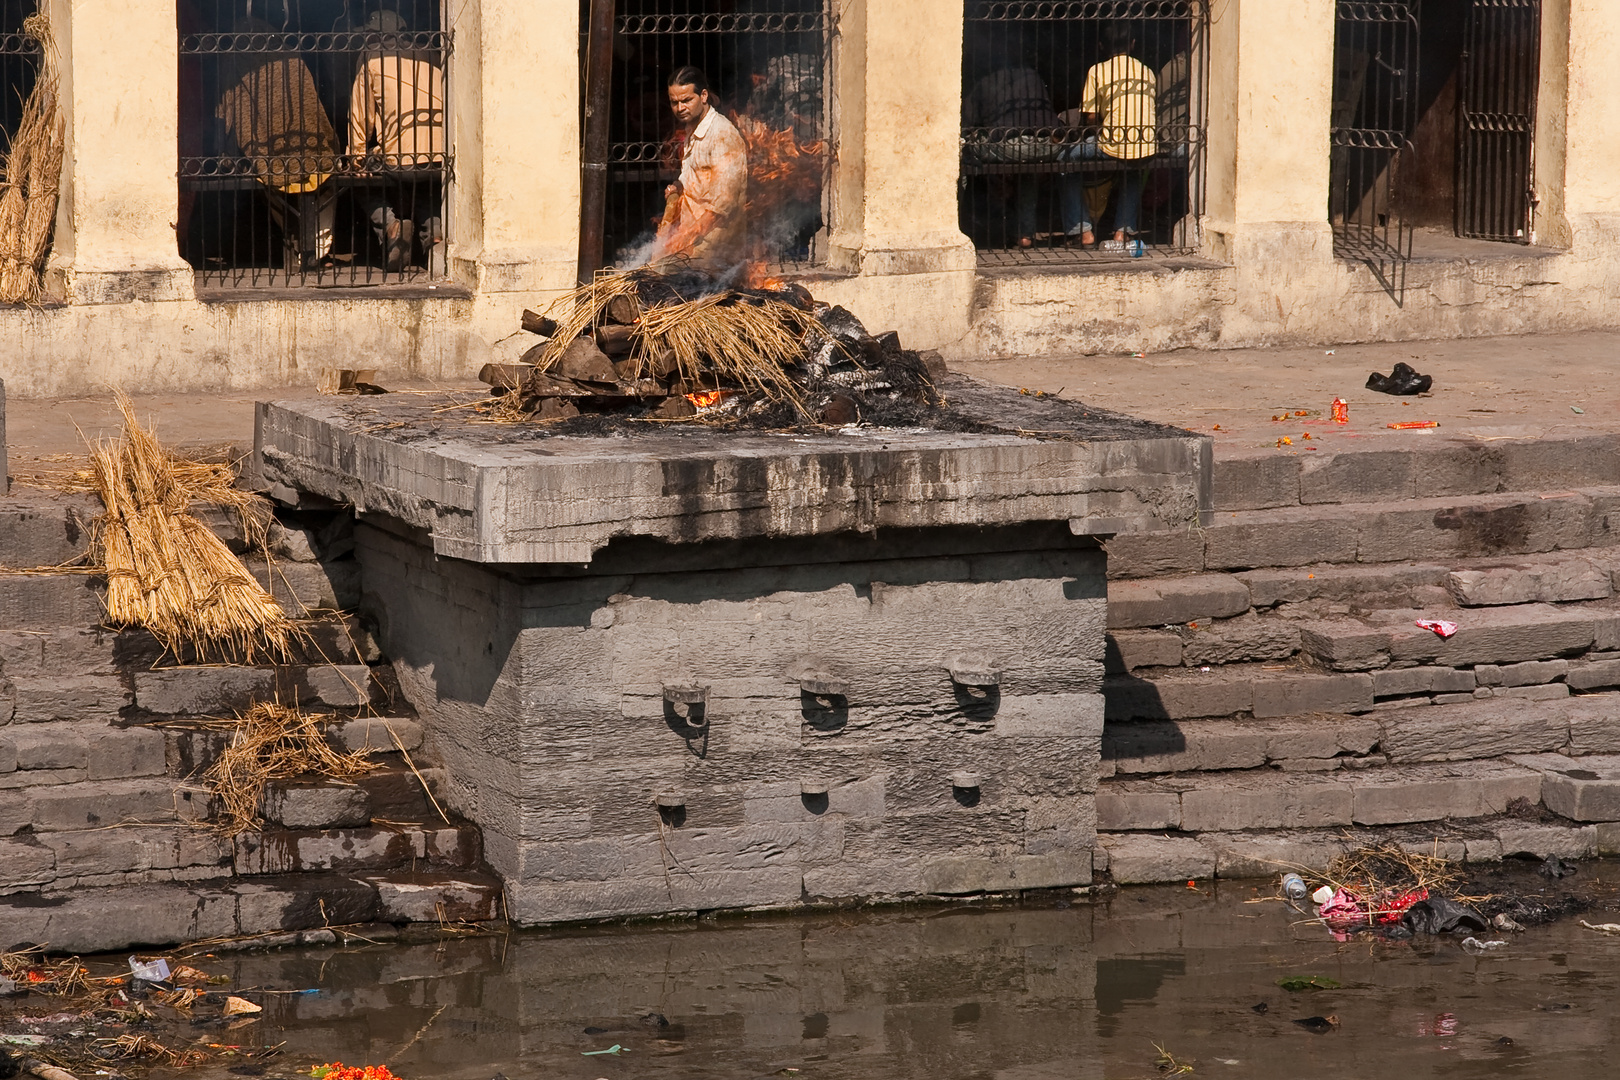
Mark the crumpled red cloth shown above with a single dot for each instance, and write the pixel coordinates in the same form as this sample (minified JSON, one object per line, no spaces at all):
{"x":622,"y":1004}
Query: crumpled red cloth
{"x":1345,"y":909}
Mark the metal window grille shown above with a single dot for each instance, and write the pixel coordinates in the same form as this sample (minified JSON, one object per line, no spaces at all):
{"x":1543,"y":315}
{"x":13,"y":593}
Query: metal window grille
{"x":19,"y":65}
{"x":767,"y":66}
{"x":313,"y":142}
{"x":1501,"y":73}
{"x":1375,"y":69}
{"x":1083,"y":117}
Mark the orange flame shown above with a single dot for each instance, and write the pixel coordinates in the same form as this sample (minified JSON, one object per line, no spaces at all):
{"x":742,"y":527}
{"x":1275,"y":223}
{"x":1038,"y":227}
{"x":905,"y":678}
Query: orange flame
{"x":706,"y":399}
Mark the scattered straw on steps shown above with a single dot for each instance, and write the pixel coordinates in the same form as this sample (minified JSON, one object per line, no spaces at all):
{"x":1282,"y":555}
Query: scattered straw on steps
{"x":166,"y":570}
{"x":30,"y":177}
{"x":274,"y":742}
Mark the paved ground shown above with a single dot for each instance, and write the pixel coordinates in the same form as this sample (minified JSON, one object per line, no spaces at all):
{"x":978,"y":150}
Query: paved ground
{"x":1486,"y":387}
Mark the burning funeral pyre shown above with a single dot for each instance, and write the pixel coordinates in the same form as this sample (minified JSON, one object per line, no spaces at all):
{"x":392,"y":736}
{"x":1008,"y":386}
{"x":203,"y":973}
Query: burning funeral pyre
{"x":658,"y":346}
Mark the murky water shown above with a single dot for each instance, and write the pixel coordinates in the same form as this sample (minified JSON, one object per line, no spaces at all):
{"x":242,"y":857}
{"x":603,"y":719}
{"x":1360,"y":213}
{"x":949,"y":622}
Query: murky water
{"x":1012,"y":992}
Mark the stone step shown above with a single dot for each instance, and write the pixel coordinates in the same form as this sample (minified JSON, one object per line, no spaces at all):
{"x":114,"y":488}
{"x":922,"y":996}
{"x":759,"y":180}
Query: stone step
{"x":34,"y":602}
{"x":71,"y":751}
{"x":160,"y":914}
{"x":1423,"y":530}
{"x":1502,"y":635}
{"x":1585,"y":789}
{"x":191,"y":750}
{"x":101,"y":857}
{"x":1259,"y":690}
{"x":428,"y":846}
{"x":1537,"y":579}
{"x":1436,"y":467}
{"x":1394,"y":732}
{"x":1266,"y":799}
{"x":224,"y":689}
{"x":1146,"y":858}
{"x":44,"y":528}
{"x":91,"y":804}
{"x":392,"y":793}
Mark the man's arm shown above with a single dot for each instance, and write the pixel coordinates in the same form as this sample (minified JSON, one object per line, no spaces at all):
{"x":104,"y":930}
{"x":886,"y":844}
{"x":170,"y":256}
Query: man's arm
{"x":362,"y":112}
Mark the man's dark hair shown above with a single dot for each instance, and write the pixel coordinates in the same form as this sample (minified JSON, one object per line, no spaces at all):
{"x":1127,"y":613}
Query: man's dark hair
{"x":690,"y":76}
{"x":1118,"y":37}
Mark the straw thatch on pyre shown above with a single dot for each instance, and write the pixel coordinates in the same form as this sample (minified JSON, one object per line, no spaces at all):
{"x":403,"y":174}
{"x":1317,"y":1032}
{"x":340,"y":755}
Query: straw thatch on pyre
{"x":30,"y":176}
{"x":658,"y":346}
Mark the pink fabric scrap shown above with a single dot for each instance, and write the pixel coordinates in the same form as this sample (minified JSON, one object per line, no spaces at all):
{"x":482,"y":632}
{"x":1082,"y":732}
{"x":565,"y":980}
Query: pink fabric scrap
{"x":1439,"y":626}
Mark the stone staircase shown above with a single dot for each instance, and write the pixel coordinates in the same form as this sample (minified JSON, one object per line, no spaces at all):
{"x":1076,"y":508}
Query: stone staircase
{"x":106,"y":831}
{"x":1271,"y":699}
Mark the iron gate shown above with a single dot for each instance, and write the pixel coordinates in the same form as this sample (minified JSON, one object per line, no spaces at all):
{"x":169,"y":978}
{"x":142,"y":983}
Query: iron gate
{"x":19,"y":64}
{"x":767,"y":66}
{"x":1083,"y":118}
{"x":1496,"y":120}
{"x":1375,"y":60}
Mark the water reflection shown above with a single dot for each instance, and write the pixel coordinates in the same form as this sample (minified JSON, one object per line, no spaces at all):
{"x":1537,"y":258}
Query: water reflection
{"x":1015,"y":993}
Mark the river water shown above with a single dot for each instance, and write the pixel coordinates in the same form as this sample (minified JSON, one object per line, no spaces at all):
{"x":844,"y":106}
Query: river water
{"x":1066,"y":990}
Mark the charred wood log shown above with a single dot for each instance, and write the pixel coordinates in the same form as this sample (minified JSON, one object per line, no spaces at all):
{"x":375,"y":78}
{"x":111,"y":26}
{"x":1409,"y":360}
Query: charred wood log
{"x":616,"y":341}
{"x":623,"y":310}
{"x":505,"y":376}
{"x":536,"y":323}
{"x":582,"y":360}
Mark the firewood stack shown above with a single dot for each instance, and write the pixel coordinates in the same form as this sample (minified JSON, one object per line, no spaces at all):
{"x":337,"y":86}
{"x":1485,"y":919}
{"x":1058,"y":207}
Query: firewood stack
{"x":657,"y":346}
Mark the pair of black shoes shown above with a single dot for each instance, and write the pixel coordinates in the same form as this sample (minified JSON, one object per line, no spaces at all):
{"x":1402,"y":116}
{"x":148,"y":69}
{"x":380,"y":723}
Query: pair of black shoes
{"x":1401,"y":380}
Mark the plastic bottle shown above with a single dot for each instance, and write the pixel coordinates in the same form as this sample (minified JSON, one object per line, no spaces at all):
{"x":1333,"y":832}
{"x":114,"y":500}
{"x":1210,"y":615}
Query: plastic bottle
{"x":1137,"y":249}
{"x":1294,"y":887}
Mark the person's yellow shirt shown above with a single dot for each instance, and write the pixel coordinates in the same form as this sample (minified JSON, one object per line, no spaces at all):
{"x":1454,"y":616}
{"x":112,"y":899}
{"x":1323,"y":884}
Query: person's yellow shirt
{"x":1123,"y":91}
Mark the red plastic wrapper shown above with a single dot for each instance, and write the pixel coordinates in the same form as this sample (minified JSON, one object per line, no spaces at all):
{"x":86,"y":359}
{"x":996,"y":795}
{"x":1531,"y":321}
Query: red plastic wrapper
{"x":1439,"y":626}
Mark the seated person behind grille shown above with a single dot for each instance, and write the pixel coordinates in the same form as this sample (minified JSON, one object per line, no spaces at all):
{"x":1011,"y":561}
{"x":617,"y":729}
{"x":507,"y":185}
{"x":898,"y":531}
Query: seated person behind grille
{"x":704,"y":216}
{"x":1120,"y":94}
{"x":272,"y":112}
{"x":1012,"y":108}
{"x":396,"y":122}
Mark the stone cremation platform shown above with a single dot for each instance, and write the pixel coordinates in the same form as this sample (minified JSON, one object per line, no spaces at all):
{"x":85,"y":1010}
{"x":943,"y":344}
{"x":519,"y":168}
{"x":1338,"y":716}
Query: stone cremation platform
{"x":688,"y":669}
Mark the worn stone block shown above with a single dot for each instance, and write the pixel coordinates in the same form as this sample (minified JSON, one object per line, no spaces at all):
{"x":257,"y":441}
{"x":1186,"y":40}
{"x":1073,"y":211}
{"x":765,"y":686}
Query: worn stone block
{"x":1132,"y":649}
{"x":50,"y":746}
{"x":1552,"y":580}
{"x":1606,"y":628}
{"x":1375,"y":585}
{"x":1547,"y":692}
{"x":1357,"y":476}
{"x":1167,"y":601}
{"x":70,"y":697}
{"x":84,"y":854}
{"x":1138,"y":555}
{"x":340,"y":685}
{"x":1540,"y":841}
{"x":1263,"y":855}
{"x":1526,"y":674}
{"x":964,"y":874}
{"x":1246,"y":638}
{"x":1149,"y":746}
{"x":202,"y":691}
{"x":8,"y":755}
{"x":1495,"y":636}
{"x":25,"y":861}
{"x":1475,"y":729}
{"x":1581,"y":789}
{"x":1149,"y":860}
{"x":1345,"y":645}
{"x":1291,"y":695}
{"x":1051,"y":716}
{"x":1429,"y":793}
{"x":1255,"y":483}
{"x":1275,"y":538}
{"x":1394,"y":682}
{"x":437,"y":898}
{"x":1123,"y":806}
{"x":48,"y":601}
{"x":1179,"y":696}
{"x":1270,"y":802}
{"x":306,"y":586}
{"x":326,"y":805}
{"x":372,"y":732}
{"x":1597,"y":674}
{"x":106,"y":802}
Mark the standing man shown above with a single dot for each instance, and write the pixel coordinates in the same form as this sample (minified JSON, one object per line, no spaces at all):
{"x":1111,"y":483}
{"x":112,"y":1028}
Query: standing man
{"x":704,"y":220}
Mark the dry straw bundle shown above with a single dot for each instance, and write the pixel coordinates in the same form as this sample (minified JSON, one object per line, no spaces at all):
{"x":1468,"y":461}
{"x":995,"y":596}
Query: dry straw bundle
{"x":166,"y":570}
{"x":273,"y":742}
{"x":30,"y":177}
{"x":745,"y":340}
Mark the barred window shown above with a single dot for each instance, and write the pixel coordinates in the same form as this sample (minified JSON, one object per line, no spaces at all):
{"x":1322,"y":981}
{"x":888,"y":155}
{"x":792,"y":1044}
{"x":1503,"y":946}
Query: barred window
{"x":313,"y":142}
{"x":1083,"y":128}
{"x":766,"y":65}
{"x":19,"y":63}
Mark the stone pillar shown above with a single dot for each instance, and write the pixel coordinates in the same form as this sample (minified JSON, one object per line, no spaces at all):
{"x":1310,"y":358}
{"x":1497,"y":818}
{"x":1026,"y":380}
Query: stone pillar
{"x":115,"y":239}
{"x":514,"y":83}
{"x":1270,"y":115}
{"x":897,"y":109}
{"x":1592,"y":162}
